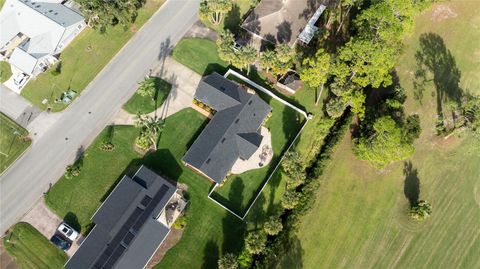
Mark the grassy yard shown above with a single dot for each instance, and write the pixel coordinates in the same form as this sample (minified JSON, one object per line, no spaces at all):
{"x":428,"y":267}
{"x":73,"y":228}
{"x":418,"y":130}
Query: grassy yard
{"x":200,"y":55}
{"x":239,"y":190}
{"x":83,"y":59}
{"x":146,"y":104}
{"x":234,"y":18}
{"x":5,"y":71}
{"x":31,"y":249}
{"x":13,"y":141}
{"x":359,"y":216}
{"x":210,"y":230}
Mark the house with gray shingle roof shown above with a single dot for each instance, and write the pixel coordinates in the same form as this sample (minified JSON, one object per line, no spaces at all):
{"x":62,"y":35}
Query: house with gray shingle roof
{"x":34,"y":32}
{"x":234,"y":131}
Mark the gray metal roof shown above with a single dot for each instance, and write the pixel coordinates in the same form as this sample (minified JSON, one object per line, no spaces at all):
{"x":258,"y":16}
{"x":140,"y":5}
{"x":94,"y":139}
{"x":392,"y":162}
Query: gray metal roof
{"x":126,"y":232}
{"x":232,"y":133}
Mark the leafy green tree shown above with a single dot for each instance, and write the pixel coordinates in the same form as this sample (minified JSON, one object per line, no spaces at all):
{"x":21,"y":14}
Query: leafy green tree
{"x":294,"y":169}
{"x":228,"y":261}
{"x":385,"y":145}
{"x":420,"y":211}
{"x":244,"y":57}
{"x":147,"y":87}
{"x":316,"y":70}
{"x":100,"y":13}
{"x":255,"y":242}
{"x":273,"y":226}
{"x":225,"y":43}
{"x":72,"y":171}
{"x":150,"y":129}
{"x":335,"y":107}
{"x":345,"y":7}
{"x":268,"y":60}
{"x":412,"y":128}
{"x":245,"y":259}
{"x":290,"y":199}
{"x":213,"y":10}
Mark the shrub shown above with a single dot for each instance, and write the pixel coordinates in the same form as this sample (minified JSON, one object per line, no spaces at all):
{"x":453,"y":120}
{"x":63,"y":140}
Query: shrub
{"x":255,"y":242}
{"x":290,"y":199}
{"x":72,"y":171}
{"x":143,"y":142}
{"x":228,"y":261}
{"x":245,"y":259}
{"x":107,"y":146}
{"x":421,"y":210}
{"x":180,"y":223}
{"x":273,"y":226}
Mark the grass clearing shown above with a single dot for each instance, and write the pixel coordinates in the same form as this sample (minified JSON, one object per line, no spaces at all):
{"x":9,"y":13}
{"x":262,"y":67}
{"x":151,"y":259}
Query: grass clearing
{"x":200,"y":55}
{"x":5,"y":71}
{"x":146,"y":104}
{"x":13,"y":141}
{"x":92,"y":46}
{"x":210,"y":230}
{"x":31,"y":249}
{"x":359,"y":216}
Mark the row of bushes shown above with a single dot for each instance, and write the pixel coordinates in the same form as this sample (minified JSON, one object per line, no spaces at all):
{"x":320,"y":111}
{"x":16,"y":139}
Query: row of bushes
{"x":203,"y":106}
{"x":263,"y":247}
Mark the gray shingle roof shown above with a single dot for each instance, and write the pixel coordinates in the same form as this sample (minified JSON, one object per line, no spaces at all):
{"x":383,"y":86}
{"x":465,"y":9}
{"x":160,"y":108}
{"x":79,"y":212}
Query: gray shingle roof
{"x":126,"y":233}
{"x":232,"y":133}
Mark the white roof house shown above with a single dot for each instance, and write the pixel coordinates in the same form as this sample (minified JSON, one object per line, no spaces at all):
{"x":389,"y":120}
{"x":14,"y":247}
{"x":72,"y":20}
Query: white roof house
{"x":33,"y":32}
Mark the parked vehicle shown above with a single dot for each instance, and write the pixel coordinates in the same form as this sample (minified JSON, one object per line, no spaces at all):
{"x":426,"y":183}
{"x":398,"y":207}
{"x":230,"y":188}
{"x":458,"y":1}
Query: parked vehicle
{"x":60,"y":243}
{"x":67,"y":231}
{"x":20,"y":79}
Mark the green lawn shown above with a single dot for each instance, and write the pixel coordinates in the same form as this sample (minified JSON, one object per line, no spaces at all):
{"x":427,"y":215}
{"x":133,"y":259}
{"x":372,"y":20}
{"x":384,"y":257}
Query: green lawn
{"x":239,"y":191}
{"x":31,"y":249}
{"x":13,"y":141}
{"x":234,"y":18}
{"x":146,"y":104}
{"x":83,"y":59}
{"x":200,"y":55}
{"x":210,"y":230}
{"x":358,"y":219}
{"x":5,"y":71}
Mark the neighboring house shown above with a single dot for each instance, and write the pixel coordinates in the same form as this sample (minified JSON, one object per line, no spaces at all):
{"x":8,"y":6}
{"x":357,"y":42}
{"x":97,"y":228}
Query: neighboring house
{"x":284,"y":21}
{"x":232,"y":133}
{"x":33,"y":33}
{"x":290,"y":82}
{"x":131,"y":224}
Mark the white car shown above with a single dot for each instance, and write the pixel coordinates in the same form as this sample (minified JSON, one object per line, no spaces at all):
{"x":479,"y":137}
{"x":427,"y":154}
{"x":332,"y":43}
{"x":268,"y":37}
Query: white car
{"x":67,"y":231}
{"x":20,"y":79}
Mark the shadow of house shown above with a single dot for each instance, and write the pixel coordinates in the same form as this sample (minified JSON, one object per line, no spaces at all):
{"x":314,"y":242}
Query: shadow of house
{"x":411,"y":187}
{"x":434,"y":58}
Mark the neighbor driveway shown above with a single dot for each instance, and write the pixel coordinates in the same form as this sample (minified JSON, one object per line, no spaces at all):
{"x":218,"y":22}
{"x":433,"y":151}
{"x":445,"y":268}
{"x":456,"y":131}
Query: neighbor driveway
{"x":16,"y":107}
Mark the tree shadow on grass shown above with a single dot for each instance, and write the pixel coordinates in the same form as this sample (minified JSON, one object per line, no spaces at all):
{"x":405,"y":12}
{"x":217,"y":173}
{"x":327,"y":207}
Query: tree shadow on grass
{"x":215,"y":67}
{"x":72,"y":220}
{"x":232,"y":19}
{"x":411,"y":187}
{"x":294,"y":256}
{"x":434,"y":58}
{"x":233,"y":227}
{"x":210,"y":255}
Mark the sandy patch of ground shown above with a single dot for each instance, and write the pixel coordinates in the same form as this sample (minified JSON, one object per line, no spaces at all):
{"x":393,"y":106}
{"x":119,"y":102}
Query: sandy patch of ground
{"x":442,"y":12}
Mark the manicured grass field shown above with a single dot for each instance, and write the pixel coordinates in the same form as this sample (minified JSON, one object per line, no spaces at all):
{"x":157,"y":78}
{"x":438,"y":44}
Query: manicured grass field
{"x":13,"y":141}
{"x":210,"y":230}
{"x":31,"y":249}
{"x":359,"y":218}
{"x":83,"y":59}
{"x":239,"y":190}
{"x":146,"y":104}
{"x":5,"y":71}
{"x":200,"y":55}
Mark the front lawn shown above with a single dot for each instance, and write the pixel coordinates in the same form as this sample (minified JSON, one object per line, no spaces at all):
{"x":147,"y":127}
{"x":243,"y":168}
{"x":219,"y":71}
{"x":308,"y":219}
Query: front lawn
{"x":146,"y":104}
{"x":13,"y":141}
{"x":83,"y":59}
{"x":5,"y":71}
{"x":239,"y":191}
{"x":31,"y":249}
{"x":200,"y":55}
{"x":210,"y":230}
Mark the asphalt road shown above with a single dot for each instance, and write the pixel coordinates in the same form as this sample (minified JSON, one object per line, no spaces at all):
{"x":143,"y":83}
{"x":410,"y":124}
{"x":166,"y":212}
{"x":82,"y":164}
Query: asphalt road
{"x":42,"y":165}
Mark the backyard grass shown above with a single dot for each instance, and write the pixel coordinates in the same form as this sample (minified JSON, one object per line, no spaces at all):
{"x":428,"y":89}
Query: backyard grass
{"x":13,"y":141}
{"x":210,"y":230}
{"x":359,"y":216}
{"x":83,"y":59}
{"x":200,"y":55}
{"x":5,"y":71}
{"x":238,"y":191}
{"x":31,"y":249}
{"x":146,"y":104}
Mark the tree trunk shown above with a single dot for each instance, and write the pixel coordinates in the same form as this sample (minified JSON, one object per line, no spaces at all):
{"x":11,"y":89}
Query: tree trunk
{"x":319,"y":95}
{"x":343,"y":20}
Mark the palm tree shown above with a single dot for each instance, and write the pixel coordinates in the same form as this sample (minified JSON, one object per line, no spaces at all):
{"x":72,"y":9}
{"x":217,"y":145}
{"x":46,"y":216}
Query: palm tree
{"x":421,"y":210}
{"x":255,"y":242}
{"x":228,"y":261}
{"x":147,"y":87}
{"x":268,"y":60}
{"x":273,"y":226}
{"x":151,"y":127}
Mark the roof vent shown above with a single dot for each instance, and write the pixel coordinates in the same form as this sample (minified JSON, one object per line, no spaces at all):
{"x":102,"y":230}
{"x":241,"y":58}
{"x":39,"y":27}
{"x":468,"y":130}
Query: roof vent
{"x":50,"y":11}
{"x":37,"y":6}
{"x":208,"y":161}
{"x":223,"y":140}
{"x":236,"y":121}
{"x":222,"y":88}
{"x":249,"y":103}
{"x":56,"y":13}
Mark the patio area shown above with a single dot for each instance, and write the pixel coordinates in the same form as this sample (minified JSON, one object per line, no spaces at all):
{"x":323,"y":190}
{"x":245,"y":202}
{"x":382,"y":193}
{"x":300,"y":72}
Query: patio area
{"x":262,"y":157}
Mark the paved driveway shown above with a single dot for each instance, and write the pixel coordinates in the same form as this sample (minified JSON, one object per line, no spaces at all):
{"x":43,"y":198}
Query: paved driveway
{"x":25,"y":181}
{"x":16,"y":107}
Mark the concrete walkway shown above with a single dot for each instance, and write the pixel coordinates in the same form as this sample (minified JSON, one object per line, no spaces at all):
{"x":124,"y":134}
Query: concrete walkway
{"x":16,"y":107}
{"x":184,"y":83}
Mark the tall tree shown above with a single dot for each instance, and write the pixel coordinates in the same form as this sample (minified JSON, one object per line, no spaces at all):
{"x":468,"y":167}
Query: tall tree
{"x":316,"y":70}
{"x":100,"y":13}
{"x":244,"y":57}
{"x":273,"y":226}
{"x":150,"y":128}
{"x":147,"y":87}
{"x":255,"y":242}
{"x":225,"y":44}
{"x":290,"y":199}
{"x":228,"y":261}
{"x":213,"y":10}
{"x":421,"y":211}
{"x":268,"y":60}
